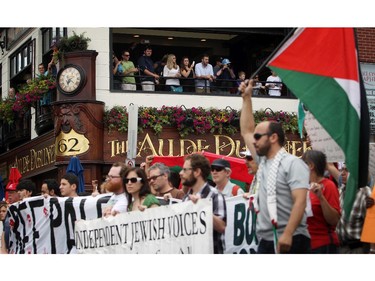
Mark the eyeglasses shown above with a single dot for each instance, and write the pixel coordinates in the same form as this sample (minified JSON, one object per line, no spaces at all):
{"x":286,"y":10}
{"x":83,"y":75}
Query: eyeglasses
{"x":126,"y":55}
{"x":154,"y":177}
{"x":109,"y":177}
{"x":217,"y":169}
{"x":258,"y":136}
{"x":186,"y":169}
{"x":132,"y":180}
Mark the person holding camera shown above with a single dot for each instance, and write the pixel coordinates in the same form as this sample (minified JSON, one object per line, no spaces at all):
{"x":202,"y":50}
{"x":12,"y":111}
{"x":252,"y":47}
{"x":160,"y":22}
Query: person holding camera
{"x":226,"y":75}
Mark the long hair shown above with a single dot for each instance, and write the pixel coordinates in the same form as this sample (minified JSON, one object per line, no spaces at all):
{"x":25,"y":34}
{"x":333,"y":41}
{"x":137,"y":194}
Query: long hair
{"x":145,"y":188}
{"x":170,"y":63}
{"x":182,"y":65}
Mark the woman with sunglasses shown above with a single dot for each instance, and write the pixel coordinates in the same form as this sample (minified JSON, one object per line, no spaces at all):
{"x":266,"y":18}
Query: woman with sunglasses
{"x":138,"y":190}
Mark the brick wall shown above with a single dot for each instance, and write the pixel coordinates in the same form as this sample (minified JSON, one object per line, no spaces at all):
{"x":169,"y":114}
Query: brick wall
{"x":366,"y":44}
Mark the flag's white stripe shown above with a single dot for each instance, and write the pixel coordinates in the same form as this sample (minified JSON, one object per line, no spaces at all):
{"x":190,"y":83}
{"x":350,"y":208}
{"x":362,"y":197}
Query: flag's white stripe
{"x":352,"y":90}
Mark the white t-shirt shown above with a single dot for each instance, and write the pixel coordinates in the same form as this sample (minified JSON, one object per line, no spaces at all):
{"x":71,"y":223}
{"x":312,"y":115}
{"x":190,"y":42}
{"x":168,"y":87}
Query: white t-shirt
{"x":118,"y":202}
{"x":274,"y":89}
{"x":171,"y":73}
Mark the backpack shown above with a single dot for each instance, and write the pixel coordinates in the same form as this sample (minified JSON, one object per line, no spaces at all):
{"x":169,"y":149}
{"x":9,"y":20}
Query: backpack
{"x":235,"y":190}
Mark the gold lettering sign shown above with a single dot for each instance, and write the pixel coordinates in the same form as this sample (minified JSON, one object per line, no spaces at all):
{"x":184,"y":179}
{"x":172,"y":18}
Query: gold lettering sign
{"x":71,"y":144}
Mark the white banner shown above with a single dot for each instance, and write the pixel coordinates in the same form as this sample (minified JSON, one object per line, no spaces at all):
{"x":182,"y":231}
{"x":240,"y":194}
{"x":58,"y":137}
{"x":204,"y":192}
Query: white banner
{"x":240,"y":231}
{"x":183,"y":228}
{"x":46,"y":225}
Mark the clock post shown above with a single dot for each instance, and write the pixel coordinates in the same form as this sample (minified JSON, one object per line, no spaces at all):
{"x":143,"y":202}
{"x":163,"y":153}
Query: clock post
{"x":79,"y":116}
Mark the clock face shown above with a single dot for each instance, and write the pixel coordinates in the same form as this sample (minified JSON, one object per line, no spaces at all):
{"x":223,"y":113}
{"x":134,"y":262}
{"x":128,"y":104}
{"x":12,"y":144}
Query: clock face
{"x":70,"y":79}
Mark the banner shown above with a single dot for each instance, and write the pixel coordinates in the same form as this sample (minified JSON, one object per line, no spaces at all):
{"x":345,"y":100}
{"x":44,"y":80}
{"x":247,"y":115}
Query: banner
{"x":184,"y":228}
{"x":240,"y":231}
{"x":69,"y":225}
{"x":46,"y":225}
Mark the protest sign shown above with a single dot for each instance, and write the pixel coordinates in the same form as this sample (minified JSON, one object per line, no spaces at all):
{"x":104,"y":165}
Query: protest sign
{"x":240,"y":231}
{"x":321,"y":140}
{"x":184,"y":228}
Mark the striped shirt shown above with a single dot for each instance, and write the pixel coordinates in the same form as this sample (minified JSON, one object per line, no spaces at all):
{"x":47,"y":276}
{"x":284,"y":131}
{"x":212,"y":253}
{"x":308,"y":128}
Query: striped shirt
{"x":351,"y":228}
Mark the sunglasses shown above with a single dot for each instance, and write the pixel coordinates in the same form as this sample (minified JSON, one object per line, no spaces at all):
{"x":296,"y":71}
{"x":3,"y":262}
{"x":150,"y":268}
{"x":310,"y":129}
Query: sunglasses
{"x":259,"y":136}
{"x":249,"y":158}
{"x":154,"y":177}
{"x":217,"y":169}
{"x":132,"y":180}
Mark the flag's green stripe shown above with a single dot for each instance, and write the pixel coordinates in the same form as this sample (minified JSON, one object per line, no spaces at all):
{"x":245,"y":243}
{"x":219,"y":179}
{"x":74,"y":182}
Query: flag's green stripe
{"x":330,"y":105}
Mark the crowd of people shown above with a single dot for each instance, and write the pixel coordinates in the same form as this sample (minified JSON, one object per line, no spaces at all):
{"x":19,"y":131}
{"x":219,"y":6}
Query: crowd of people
{"x":298,"y":201}
{"x":168,"y":75}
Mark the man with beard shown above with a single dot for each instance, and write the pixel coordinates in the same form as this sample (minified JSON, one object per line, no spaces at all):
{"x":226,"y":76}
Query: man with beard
{"x":118,"y":203}
{"x":194,"y":174}
{"x":283,"y":184}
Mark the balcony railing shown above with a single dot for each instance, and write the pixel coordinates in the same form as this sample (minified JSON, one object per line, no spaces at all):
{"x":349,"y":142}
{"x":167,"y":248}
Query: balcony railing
{"x":187,"y":85}
{"x":44,"y":118}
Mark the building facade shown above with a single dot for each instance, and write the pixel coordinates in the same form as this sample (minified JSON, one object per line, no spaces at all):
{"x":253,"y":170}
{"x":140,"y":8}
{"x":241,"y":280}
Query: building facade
{"x":41,"y":151}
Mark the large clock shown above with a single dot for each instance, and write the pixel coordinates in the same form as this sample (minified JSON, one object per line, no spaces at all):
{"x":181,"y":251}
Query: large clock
{"x":70,"y":79}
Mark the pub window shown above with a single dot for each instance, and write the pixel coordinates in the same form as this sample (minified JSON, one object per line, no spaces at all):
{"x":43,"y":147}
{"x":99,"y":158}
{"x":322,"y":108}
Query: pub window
{"x":52,"y":34}
{"x":21,"y":59}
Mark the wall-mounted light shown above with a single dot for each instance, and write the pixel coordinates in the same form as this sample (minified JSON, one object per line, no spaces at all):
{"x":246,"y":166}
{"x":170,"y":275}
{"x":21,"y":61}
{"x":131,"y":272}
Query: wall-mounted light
{"x":203,"y":40}
{"x":170,"y":38}
{"x":135,"y":35}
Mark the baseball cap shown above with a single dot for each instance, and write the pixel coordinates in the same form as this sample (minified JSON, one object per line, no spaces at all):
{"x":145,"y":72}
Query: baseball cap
{"x":226,"y":61}
{"x":247,"y":154}
{"x":221,"y":163}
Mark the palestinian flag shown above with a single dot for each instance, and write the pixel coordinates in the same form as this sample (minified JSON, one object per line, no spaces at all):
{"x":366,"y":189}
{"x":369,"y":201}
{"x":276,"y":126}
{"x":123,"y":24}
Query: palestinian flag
{"x":239,"y":174}
{"x":320,"y":66}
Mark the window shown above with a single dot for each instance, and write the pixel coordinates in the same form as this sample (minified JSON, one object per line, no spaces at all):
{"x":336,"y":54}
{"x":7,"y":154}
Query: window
{"x":52,"y":34}
{"x":21,"y":59}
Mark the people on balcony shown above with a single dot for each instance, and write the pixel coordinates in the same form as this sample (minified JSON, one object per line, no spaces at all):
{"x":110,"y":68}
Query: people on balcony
{"x":128,"y":70}
{"x":225,"y":77}
{"x":148,"y":76}
{"x":204,"y":75}
{"x":274,"y":84}
{"x":171,"y":72}
{"x":187,"y":74}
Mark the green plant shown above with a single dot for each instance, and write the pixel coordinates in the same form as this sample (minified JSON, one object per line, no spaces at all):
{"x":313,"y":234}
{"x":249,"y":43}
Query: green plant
{"x":32,"y":92}
{"x":69,"y":44}
{"x":6,"y":110}
{"x":73,"y":43}
{"x":116,"y":119}
{"x":194,"y":120}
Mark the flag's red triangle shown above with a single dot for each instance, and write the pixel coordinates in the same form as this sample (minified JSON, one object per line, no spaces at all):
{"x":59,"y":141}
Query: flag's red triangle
{"x":320,"y":51}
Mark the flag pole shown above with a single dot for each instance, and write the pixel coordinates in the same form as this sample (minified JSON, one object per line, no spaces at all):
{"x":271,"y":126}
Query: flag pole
{"x":274,"y":52}
{"x":291,"y":32}
{"x":364,"y":129}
